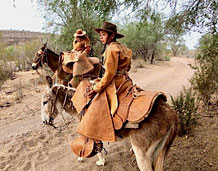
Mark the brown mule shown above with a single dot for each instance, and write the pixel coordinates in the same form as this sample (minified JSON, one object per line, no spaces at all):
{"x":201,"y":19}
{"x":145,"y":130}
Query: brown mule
{"x":55,"y":62}
{"x":150,"y":142}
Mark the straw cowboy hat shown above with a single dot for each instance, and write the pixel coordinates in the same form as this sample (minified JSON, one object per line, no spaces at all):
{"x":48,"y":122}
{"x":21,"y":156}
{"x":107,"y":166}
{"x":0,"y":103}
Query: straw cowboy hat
{"x":109,"y":27}
{"x":80,"y":32}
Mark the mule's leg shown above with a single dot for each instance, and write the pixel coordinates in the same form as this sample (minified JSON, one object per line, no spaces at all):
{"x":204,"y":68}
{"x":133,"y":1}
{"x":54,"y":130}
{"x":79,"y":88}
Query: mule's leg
{"x":80,"y":159}
{"x":160,"y":151}
{"x":163,"y":147}
{"x":144,"y":161}
{"x":166,"y":141}
{"x":101,"y":159}
{"x":160,"y":161}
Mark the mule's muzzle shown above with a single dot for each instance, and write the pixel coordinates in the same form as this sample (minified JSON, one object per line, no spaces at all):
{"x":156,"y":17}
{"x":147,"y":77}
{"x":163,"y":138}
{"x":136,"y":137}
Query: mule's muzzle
{"x":49,"y":122}
{"x":34,"y":67}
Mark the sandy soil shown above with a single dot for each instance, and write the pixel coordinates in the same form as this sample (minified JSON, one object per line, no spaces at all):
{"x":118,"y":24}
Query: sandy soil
{"x":26,"y":144}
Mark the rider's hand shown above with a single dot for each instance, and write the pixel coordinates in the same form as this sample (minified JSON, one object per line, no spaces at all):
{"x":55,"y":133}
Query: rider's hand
{"x":91,"y":94}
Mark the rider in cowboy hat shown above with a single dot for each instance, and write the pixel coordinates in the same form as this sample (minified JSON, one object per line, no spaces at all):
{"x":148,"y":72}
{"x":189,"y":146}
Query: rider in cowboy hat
{"x":96,"y":123}
{"x":81,"y":42}
{"x":77,"y":62}
{"x":117,"y":61}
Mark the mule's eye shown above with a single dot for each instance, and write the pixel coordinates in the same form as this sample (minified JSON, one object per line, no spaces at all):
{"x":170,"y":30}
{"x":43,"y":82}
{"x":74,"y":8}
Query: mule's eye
{"x":45,"y":102}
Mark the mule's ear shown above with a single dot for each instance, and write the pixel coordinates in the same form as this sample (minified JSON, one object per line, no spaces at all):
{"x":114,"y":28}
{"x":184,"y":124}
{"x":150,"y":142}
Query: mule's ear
{"x":43,"y":47}
{"x":54,"y":89}
{"x":49,"y":81}
{"x":70,"y":85}
{"x":61,"y":55}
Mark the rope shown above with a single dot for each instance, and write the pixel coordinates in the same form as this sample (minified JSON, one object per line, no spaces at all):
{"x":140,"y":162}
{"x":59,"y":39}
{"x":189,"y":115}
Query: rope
{"x":64,"y":103}
{"x":136,"y":91}
{"x":65,"y":99}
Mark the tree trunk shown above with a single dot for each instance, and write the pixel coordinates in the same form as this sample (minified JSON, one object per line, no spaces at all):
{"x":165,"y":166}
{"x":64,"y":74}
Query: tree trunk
{"x":152,"y":58}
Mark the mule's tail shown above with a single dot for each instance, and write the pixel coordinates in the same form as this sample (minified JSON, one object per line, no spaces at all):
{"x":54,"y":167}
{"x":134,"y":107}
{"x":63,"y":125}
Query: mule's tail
{"x":165,"y":144}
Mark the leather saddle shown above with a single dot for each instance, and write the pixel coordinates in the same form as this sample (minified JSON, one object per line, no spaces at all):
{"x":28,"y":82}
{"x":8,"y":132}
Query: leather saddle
{"x":77,"y":63}
{"x":135,"y":109}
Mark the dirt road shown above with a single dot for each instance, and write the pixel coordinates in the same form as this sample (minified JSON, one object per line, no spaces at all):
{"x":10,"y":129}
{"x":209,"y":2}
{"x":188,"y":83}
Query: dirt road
{"x":25,"y":144}
{"x":169,"y":77}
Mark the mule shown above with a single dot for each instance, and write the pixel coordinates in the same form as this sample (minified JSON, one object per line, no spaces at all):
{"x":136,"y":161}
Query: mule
{"x":45,"y":55}
{"x":55,"y":98}
{"x":150,"y":142}
{"x":53,"y":60}
{"x":55,"y":63}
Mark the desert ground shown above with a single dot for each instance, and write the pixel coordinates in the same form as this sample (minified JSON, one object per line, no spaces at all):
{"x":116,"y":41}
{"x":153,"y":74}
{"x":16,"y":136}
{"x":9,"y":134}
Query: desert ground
{"x":27,"y":144}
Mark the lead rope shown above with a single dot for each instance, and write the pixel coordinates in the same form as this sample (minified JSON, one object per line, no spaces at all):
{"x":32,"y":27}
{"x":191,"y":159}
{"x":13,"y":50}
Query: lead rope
{"x":65,"y":99}
{"x":53,"y":107}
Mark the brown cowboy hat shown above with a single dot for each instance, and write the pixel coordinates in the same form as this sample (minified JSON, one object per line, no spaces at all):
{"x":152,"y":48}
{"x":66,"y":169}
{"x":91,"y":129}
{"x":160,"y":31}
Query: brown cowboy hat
{"x":109,"y":27}
{"x":80,"y":32}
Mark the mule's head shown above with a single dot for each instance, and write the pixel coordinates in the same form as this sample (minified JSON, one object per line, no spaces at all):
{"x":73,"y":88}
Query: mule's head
{"x":39,"y":58}
{"x":54,"y":99}
{"x":48,"y":109}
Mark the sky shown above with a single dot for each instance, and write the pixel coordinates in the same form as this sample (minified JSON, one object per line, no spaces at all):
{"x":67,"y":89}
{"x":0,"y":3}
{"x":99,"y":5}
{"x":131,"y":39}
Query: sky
{"x":23,"y":15}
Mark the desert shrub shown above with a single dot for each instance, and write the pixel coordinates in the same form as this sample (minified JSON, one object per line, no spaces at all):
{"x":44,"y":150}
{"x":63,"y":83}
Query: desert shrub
{"x":205,"y":79}
{"x":5,"y":68}
{"x":21,"y":55}
{"x":16,"y":57}
{"x":5,"y":72}
{"x":186,"y":108}
{"x":138,"y":63}
{"x":164,"y":58}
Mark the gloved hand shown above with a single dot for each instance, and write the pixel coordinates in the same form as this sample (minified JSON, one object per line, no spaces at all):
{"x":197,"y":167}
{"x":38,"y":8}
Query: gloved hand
{"x":91,"y":94}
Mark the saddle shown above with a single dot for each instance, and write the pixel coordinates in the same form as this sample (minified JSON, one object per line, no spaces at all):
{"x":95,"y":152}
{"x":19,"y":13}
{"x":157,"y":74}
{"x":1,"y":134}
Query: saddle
{"x":79,"y":99}
{"x":78,"y":63}
{"x":75,"y":63}
{"x":133,"y":108}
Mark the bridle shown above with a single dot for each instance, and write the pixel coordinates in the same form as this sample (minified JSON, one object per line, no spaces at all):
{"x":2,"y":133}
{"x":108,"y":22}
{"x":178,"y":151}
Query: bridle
{"x":54,"y":101}
{"x":42,"y":58}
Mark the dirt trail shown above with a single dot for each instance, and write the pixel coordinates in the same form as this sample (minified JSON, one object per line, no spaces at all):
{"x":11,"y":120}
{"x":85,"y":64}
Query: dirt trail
{"x":27,"y":145}
{"x":169,"y":77}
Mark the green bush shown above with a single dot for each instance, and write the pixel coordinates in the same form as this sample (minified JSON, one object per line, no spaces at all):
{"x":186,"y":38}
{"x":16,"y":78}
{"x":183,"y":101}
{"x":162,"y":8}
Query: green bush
{"x":205,"y":79}
{"x":16,"y":57}
{"x":22,"y":55}
{"x":186,"y":109}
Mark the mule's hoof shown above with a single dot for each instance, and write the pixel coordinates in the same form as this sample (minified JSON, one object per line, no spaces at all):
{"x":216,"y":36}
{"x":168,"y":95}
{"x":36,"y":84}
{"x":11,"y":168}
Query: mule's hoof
{"x":100,"y":162}
{"x":80,"y":159}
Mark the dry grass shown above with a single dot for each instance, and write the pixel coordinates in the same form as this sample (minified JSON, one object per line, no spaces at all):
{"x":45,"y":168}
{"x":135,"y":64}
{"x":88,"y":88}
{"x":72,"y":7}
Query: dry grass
{"x":138,"y":63}
{"x":19,"y":92}
{"x":6,"y":72}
